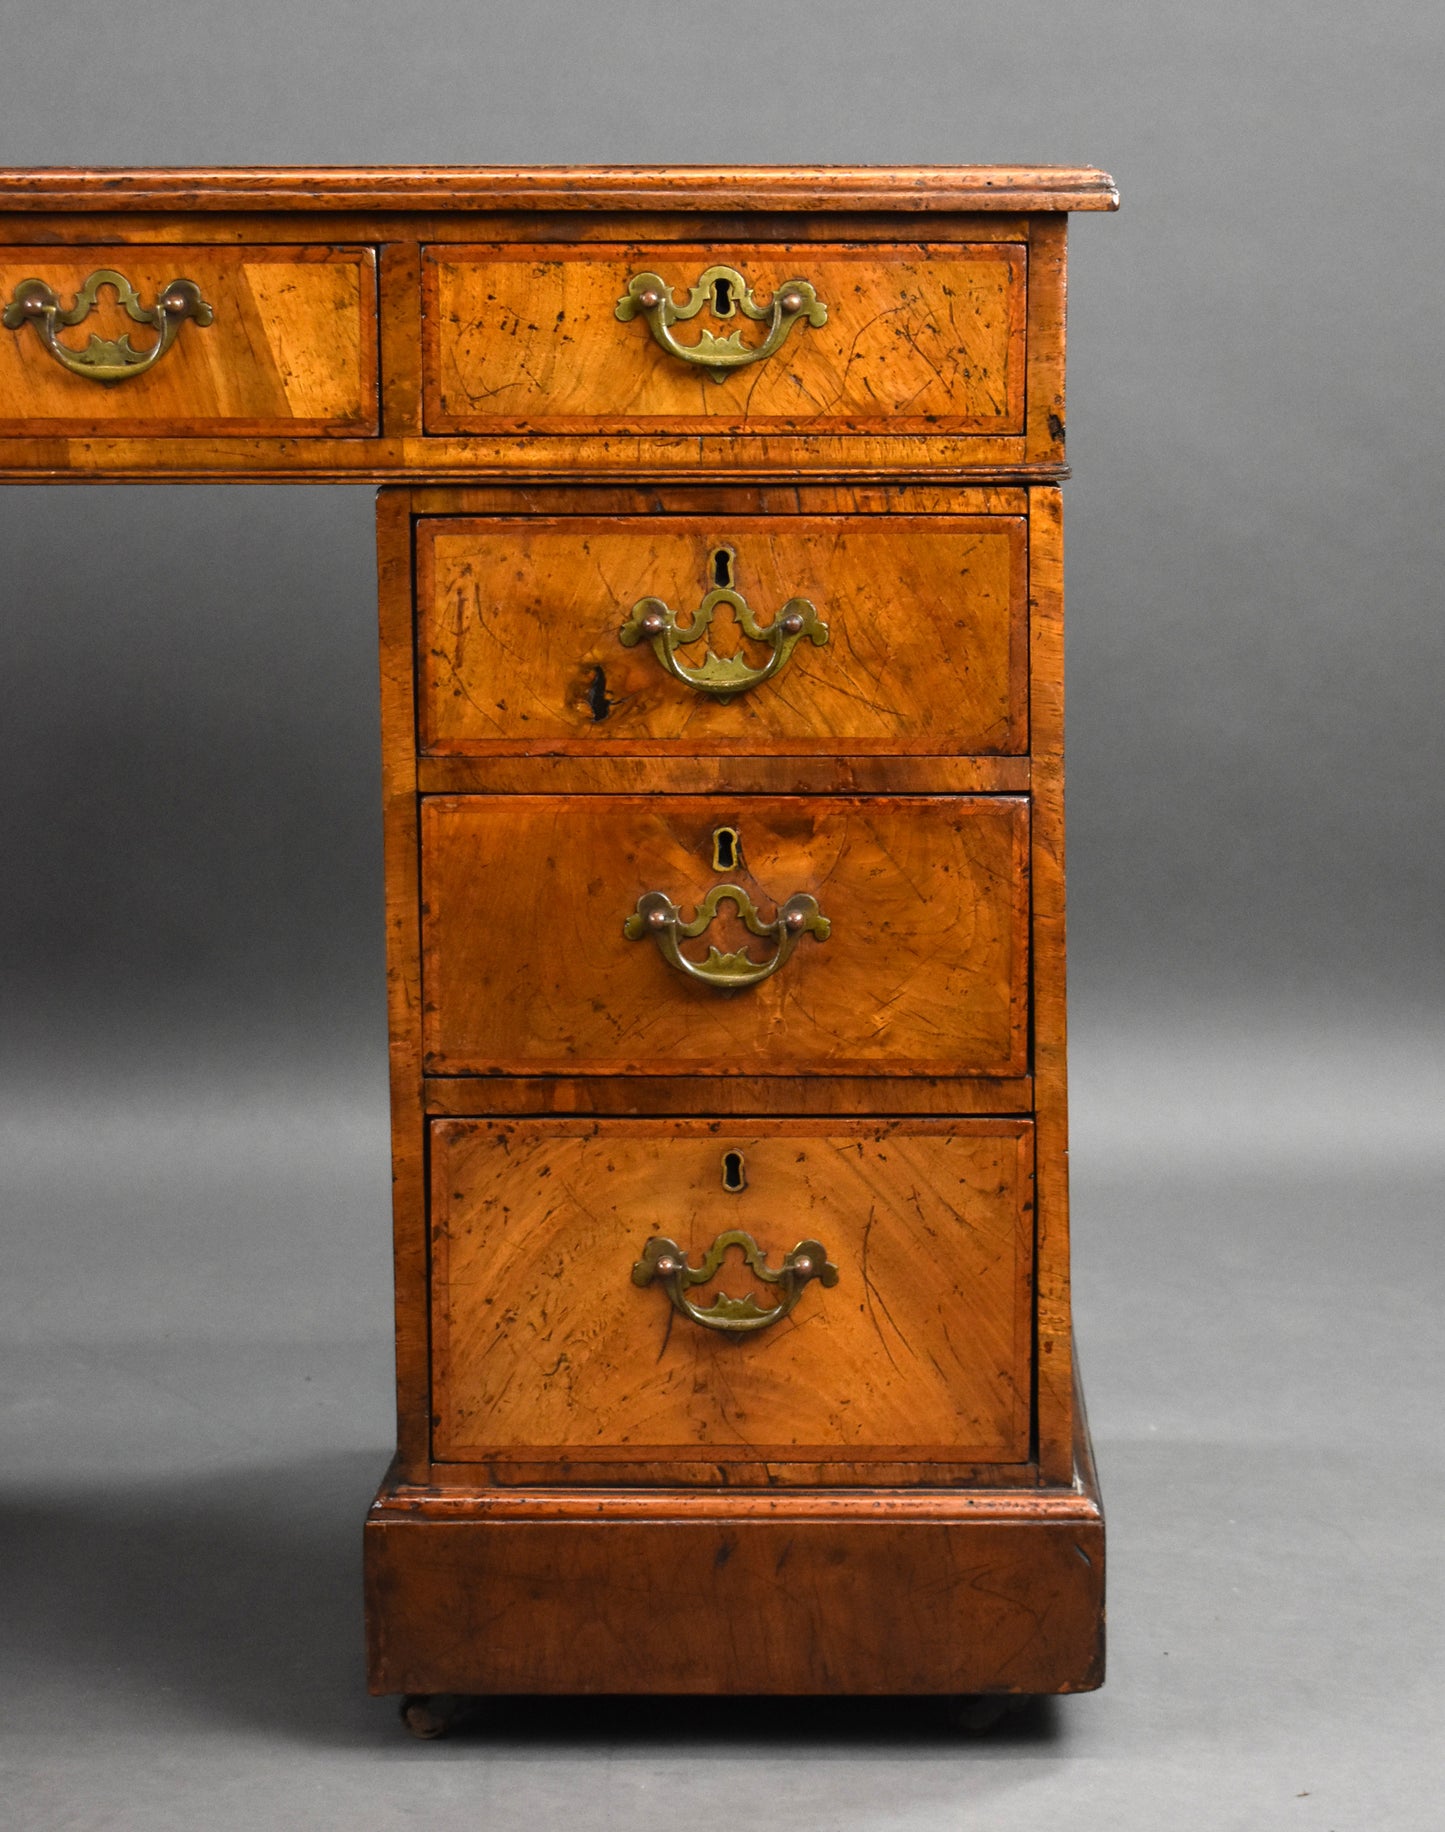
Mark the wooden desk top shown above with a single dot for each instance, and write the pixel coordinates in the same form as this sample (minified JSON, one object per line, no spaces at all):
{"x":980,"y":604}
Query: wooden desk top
{"x":914,"y":189}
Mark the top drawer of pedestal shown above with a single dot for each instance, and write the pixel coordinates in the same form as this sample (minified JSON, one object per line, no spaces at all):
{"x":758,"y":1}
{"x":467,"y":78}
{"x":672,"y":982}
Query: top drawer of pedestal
{"x":168,"y":340}
{"x":781,"y":338}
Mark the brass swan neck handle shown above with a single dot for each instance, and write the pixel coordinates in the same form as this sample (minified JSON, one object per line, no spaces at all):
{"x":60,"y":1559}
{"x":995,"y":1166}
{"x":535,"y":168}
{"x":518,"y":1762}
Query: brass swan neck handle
{"x":664,"y":1262}
{"x":106,"y":360}
{"x":658,"y":916}
{"x":728,"y":293}
{"x":722,"y":677}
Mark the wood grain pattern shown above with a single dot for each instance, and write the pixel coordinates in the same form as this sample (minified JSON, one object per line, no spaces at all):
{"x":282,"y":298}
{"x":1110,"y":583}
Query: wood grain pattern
{"x":918,"y":338}
{"x":892,"y":1490}
{"x":526,"y":968}
{"x":733,"y":773}
{"x":700,"y":1471}
{"x":541,"y":1344}
{"x":661,"y":496}
{"x":418,"y":228}
{"x":403,"y":979}
{"x":786,"y":1607}
{"x":1056,"y":1380}
{"x":399,"y":288}
{"x":941,"y":1591}
{"x":467,"y":1096}
{"x":292,"y":348}
{"x":912,"y":189}
{"x":626,"y":457}
{"x":927,"y":651}
{"x":1046,"y":329}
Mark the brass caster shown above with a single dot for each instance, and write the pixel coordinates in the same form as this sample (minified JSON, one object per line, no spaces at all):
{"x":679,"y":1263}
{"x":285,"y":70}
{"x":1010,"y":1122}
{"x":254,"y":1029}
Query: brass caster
{"x":432,"y":1714}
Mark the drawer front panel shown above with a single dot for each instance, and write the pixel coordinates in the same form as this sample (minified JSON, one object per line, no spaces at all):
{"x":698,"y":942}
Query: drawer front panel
{"x":521,"y":627}
{"x":527,"y":968}
{"x":546,"y":1346}
{"x":287,"y":344}
{"x":922,"y":338}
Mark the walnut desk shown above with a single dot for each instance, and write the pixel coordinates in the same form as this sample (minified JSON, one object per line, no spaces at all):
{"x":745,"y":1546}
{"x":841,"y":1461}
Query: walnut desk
{"x":720,"y":586}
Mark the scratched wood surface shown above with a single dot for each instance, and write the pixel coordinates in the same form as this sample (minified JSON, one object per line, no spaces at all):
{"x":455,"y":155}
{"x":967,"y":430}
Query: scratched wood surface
{"x":526,"y":968}
{"x":753,"y":1605}
{"x":403,"y":978}
{"x":942,"y":1590}
{"x":920,"y":337}
{"x":542,"y":1343}
{"x":1056,"y":1375}
{"x":292,"y":346}
{"x":733,"y":772}
{"x":911,"y":190}
{"x":518,"y":634}
{"x":468,"y":1096}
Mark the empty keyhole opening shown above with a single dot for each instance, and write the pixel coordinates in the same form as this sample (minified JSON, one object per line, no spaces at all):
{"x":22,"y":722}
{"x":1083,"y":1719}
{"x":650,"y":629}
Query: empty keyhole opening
{"x":722,"y":297}
{"x":727,"y":850}
{"x":735,"y":1172}
{"x":597,"y":700}
{"x":722,"y":566}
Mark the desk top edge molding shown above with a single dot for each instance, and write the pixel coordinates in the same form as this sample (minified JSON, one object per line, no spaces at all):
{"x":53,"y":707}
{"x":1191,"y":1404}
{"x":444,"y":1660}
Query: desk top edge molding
{"x":920,"y":189}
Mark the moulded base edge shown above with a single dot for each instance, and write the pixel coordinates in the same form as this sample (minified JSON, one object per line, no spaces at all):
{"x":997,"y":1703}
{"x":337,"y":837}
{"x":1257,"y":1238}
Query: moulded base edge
{"x":737,"y":1591}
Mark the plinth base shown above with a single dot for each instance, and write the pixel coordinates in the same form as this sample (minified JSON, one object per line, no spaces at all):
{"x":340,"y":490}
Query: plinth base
{"x":737,"y":1591}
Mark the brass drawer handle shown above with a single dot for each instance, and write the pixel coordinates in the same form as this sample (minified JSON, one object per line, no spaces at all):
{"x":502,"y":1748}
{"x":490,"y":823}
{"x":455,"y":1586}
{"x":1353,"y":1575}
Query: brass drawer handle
{"x":665,"y":1262}
{"x":722,"y":677}
{"x":658,"y":916}
{"x":106,"y":360}
{"x":728,"y":293}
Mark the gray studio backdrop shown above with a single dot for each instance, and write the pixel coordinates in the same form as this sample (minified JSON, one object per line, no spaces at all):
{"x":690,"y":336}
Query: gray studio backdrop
{"x":194,"y":1185}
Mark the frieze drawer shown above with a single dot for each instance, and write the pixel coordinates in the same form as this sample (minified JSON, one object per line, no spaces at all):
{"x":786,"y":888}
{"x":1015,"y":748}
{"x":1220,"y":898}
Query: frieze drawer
{"x":918,"y":338}
{"x":173,"y":340}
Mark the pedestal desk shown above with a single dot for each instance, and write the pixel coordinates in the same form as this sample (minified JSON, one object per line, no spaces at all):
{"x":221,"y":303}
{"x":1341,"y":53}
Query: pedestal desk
{"x":721,"y":668}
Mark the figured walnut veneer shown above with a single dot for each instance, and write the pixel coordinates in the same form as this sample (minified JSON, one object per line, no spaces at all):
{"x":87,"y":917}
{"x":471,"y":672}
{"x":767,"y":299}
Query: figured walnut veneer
{"x":887,"y":1485}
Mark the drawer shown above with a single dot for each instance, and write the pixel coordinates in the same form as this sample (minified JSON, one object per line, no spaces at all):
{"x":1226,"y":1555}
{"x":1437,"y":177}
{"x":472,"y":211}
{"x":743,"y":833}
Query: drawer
{"x":284,"y":341}
{"x":559,"y":1332}
{"x":907,"y":954}
{"x":918,"y":338}
{"x":908,"y":633}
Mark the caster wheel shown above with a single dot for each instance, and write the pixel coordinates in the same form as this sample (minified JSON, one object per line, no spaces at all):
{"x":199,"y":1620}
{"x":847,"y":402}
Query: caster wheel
{"x":976,"y":1716}
{"x":432,"y":1714}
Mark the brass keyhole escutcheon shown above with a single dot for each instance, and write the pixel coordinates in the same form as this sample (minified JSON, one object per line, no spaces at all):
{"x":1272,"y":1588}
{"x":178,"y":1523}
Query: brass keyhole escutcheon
{"x":734,"y":1172}
{"x":727,"y":849}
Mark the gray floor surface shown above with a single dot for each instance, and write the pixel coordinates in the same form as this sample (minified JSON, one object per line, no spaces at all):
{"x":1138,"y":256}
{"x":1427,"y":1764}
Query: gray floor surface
{"x":196,"y":1411}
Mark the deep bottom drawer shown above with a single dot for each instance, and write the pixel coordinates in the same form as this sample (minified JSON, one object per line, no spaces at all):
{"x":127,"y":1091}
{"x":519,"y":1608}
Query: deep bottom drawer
{"x":566,"y":1331}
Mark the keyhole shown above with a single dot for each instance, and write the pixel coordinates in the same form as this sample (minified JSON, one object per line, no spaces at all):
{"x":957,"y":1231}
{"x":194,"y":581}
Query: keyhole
{"x":722,"y":566}
{"x":597,"y":700}
{"x":727,"y":849}
{"x":735,"y":1172}
{"x":722,"y":300}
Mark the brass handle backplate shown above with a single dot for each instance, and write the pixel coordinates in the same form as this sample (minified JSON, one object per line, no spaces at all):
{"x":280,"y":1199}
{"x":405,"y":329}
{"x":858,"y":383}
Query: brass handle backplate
{"x":658,"y":916}
{"x":103,"y":359}
{"x":664,"y":1262}
{"x":728,"y":293}
{"x":722,"y":677}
